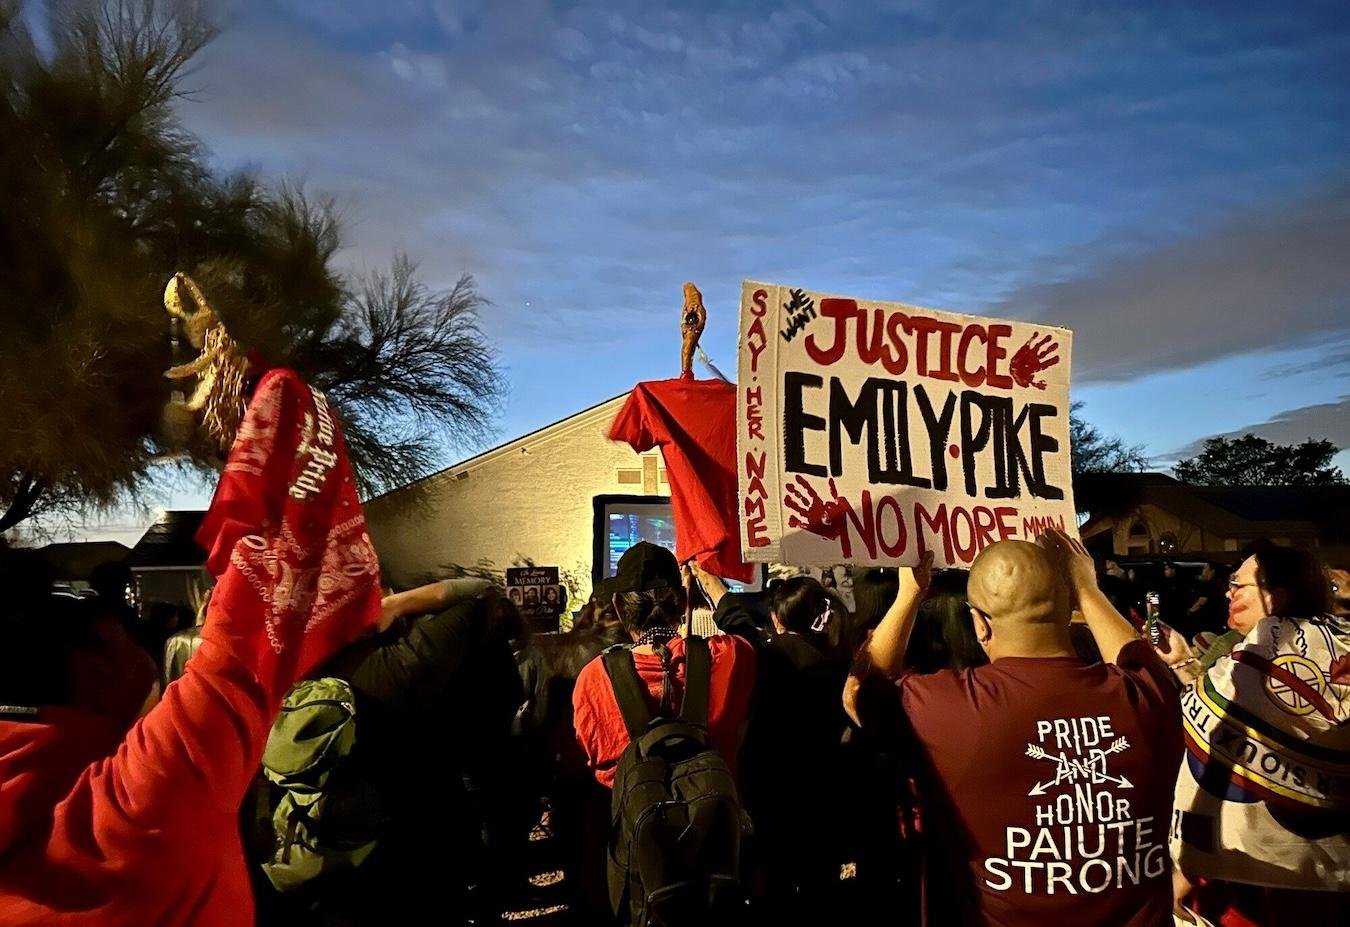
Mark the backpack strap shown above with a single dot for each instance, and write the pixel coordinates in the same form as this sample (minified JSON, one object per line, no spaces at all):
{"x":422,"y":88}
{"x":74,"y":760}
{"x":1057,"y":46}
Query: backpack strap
{"x":697,"y":681}
{"x":629,"y":691}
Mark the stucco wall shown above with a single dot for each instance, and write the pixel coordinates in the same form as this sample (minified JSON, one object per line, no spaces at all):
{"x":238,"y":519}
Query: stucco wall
{"x":1159,"y":522}
{"x":529,"y":501}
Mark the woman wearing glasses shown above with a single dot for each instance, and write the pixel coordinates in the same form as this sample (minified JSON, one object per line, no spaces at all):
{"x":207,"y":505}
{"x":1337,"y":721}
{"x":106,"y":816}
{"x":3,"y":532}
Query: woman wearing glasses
{"x":1262,"y":810}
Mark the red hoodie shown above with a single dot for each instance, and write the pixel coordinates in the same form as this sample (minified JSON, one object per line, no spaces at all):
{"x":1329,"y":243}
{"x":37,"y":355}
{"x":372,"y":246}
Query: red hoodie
{"x":103,"y":826}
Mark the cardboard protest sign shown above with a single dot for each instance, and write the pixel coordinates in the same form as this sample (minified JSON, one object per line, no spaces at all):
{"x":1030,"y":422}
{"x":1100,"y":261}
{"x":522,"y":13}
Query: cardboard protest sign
{"x":870,"y":432}
{"x":537,"y":593}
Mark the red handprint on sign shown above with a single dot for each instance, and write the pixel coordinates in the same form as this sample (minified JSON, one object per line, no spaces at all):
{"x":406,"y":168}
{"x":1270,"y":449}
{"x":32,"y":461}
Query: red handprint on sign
{"x":825,"y":518}
{"x":1033,"y":357}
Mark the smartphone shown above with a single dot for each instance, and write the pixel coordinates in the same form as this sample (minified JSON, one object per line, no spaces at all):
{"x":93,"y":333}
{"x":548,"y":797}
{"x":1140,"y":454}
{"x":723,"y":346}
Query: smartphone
{"x":1151,"y":618}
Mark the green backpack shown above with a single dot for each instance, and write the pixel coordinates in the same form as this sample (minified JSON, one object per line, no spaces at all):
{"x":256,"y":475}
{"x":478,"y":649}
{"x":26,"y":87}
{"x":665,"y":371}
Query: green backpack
{"x":328,"y":817}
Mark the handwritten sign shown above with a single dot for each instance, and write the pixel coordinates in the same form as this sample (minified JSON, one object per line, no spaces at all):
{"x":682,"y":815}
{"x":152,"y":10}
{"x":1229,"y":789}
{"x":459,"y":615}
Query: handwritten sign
{"x":870,"y":432}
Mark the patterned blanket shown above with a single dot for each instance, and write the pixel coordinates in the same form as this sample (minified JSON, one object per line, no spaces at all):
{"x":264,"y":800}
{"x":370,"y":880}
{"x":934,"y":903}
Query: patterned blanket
{"x":1263,"y":794}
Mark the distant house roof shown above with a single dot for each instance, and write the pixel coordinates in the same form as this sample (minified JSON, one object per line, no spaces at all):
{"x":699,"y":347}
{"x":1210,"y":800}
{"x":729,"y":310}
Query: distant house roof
{"x":1115,"y":493}
{"x":169,"y":542}
{"x":75,"y":560}
{"x":1328,"y":507}
{"x":1227,"y":510}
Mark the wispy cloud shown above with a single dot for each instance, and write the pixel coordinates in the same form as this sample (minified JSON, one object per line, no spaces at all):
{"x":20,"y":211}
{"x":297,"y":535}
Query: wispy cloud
{"x":1333,"y":364}
{"x":1267,"y":279}
{"x":1131,"y":171}
{"x":1325,"y":420}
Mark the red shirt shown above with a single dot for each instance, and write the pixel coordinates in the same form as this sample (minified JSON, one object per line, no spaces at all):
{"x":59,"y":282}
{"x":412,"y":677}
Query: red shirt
{"x":600,"y":728}
{"x":694,"y":422}
{"x":109,"y":827}
{"x":1047,"y":788}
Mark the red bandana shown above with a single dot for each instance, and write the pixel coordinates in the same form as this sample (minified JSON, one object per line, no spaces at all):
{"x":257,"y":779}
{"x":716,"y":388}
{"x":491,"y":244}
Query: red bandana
{"x":285,"y":535}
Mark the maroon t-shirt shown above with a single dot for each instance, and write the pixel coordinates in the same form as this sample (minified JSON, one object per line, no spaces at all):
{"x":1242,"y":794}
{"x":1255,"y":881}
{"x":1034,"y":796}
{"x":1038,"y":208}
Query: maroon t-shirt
{"x":1046,"y":788}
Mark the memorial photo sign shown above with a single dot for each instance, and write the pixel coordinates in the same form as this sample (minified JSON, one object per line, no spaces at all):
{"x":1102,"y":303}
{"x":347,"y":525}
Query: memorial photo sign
{"x":538,"y":594}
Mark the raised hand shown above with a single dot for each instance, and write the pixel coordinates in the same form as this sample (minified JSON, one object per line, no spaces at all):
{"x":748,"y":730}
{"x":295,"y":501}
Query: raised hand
{"x":1172,"y":646}
{"x":817,"y":515}
{"x":712,"y":585}
{"x":915,"y":580}
{"x":1072,"y":559}
{"x":1033,"y":357}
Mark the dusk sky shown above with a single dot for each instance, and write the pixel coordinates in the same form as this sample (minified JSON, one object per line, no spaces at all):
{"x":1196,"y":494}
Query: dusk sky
{"x":1171,"y":181}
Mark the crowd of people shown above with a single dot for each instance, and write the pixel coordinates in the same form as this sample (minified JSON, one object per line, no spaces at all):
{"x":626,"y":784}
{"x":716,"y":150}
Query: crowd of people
{"x":1002,"y":746}
{"x":1032,"y":741}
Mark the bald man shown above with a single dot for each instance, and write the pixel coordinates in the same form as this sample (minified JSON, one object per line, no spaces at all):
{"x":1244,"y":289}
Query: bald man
{"x":1046,"y":784}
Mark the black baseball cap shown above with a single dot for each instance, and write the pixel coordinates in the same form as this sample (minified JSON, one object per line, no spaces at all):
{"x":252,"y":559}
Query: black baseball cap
{"x":644,"y":567}
{"x":603,"y":590}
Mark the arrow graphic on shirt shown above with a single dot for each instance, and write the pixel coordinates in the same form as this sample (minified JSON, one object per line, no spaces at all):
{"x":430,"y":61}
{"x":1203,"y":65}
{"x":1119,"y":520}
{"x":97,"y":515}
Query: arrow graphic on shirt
{"x":1071,"y":770}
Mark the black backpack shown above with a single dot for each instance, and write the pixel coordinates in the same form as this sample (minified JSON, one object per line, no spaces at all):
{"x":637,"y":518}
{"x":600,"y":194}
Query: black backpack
{"x":676,"y":822}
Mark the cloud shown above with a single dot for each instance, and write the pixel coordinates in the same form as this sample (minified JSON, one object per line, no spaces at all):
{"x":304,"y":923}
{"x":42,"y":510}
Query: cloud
{"x":1334,"y":364}
{"x":588,"y":157}
{"x":1326,"y":420}
{"x":1267,"y":279}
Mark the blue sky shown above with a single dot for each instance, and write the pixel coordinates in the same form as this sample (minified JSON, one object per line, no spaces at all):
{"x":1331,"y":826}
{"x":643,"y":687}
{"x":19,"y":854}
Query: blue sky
{"x":1171,"y":181}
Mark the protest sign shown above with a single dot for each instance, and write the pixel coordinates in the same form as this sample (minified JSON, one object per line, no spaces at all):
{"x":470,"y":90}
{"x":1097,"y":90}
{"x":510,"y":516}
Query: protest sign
{"x":537,"y":593}
{"x":870,"y":432}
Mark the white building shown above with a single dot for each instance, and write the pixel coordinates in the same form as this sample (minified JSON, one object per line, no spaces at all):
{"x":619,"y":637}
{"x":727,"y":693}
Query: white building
{"x":563,"y":496}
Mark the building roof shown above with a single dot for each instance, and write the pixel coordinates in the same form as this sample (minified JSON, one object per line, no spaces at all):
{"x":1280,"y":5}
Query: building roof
{"x":170,"y":542}
{"x":1325,"y":506}
{"x":75,"y":560}
{"x":599,"y":411}
{"x":1234,"y":511}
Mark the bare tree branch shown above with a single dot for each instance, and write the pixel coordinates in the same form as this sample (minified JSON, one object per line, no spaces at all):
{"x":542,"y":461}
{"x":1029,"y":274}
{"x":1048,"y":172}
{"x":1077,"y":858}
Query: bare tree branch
{"x":1091,"y":451}
{"x":103,"y":195}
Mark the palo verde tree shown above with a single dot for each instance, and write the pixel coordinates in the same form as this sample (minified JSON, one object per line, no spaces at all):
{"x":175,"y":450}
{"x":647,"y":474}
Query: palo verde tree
{"x":103,"y":196}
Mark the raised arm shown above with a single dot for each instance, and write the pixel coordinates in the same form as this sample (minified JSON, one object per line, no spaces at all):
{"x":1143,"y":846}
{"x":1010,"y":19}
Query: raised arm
{"x":885,"y":649}
{"x":713,"y":586}
{"x":418,"y":663}
{"x":298,"y":580}
{"x":883,"y":656}
{"x":1110,"y":629}
{"x":433,"y":597}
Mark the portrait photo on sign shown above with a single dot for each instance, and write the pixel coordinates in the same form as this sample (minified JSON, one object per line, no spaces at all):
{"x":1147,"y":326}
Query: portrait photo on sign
{"x":869,"y":432}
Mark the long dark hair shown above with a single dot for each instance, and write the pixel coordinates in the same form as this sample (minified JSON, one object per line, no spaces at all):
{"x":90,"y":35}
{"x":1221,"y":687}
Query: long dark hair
{"x":874,"y":590}
{"x":1298,"y":574}
{"x":657,"y":608}
{"x":498,"y":617}
{"x":943,"y":637}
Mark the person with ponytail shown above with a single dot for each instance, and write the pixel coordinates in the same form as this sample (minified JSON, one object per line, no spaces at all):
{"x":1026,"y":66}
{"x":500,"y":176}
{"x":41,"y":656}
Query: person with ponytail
{"x":647,"y":593}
